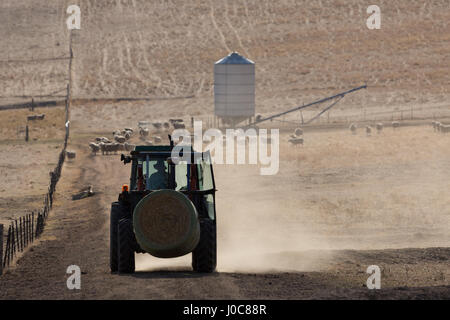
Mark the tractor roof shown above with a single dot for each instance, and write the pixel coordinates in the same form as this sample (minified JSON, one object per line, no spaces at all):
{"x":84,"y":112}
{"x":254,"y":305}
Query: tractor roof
{"x":152,"y":149}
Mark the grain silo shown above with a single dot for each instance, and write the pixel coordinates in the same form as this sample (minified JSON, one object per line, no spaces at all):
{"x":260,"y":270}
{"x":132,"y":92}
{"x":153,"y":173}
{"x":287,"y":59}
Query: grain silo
{"x":234,"y":89}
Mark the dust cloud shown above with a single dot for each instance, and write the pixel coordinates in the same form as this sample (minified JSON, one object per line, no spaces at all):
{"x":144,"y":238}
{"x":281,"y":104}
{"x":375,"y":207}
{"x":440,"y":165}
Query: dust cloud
{"x":257,"y":232}
{"x":338,"y":192}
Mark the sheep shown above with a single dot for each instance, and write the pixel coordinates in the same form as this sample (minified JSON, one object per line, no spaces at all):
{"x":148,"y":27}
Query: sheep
{"x":166,"y":125}
{"x":298,"y":132}
{"x":395,"y":124}
{"x":434,"y":125}
{"x":143,"y":132}
{"x":444,"y":128}
{"x":129,"y":147}
{"x":379,"y":127}
{"x":438,"y":126}
{"x":102,"y":139}
{"x":157,"y":125}
{"x":172,"y":121}
{"x":178,"y":125}
{"x":148,"y":142}
{"x":296,"y":141}
{"x":143,"y":124}
{"x":94,"y":147}
{"x":368,"y":130}
{"x":157,"y":139}
{"x":127,"y":133}
{"x":121,"y":147}
{"x":36,"y":117}
{"x":71,"y":154}
{"x":353,"y":128}
{"x":107,"y":148}
{"x":120,"y":139}
{"x":103,"y":147}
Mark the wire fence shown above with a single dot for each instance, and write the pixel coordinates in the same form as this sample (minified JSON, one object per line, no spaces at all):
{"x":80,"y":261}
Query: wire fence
{"x":24,"y":230}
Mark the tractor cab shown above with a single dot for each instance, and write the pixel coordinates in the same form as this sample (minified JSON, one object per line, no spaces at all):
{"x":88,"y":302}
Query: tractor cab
{"x":153,"y":168}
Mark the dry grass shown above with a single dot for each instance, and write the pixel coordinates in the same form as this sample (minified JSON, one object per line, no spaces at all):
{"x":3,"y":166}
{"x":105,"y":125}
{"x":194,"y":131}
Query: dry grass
{"x":341,"y":149}
{"x":302,"y":49}
{"x":13,"y":123}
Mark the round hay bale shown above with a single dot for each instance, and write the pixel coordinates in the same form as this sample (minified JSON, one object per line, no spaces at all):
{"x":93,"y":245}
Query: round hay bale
{"x":166,"y":224}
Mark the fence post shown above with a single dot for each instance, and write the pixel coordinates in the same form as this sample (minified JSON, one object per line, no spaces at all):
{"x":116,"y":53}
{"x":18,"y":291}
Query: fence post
{"x":25,"y":229}
{"x":27,"y":218}
{"x":8,"y":247}
{"x":13,"y":243}
{"x":22,"y":227}
{"x":29,"y":229}
{"x":1,"y":249}
{"x":17,"y":235}
{"x":21,"y":233}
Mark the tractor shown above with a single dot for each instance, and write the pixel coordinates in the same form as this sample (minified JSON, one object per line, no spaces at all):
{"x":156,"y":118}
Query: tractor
{"x":167,"y":210}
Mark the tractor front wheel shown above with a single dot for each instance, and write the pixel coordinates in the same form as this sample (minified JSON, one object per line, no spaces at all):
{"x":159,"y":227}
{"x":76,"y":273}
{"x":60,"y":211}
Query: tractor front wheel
{"x":126,"y":246}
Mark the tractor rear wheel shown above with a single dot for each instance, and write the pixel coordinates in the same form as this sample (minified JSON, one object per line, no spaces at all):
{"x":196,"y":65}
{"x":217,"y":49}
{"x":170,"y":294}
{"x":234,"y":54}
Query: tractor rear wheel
{"x":118,"y":211}
{"x":204,"y":256}
{"x":127,"y":245}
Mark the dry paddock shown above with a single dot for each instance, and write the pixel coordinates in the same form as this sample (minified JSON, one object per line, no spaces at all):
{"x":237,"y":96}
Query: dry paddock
{"x":338,"y":204}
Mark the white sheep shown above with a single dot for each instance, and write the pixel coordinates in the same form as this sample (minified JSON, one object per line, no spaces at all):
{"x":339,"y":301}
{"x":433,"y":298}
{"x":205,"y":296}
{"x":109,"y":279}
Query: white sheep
{"x":120,"y":139}
{"x":368,"y":130}
{"x":444,"y":128}
{"x":71,"y":154}
{"x":143,"y":132}
{"x":157,"y":125}
{"x":434,"y":125}
{"x":107,"y":148}
{"x":95,"y":147}
{"x":129,"y":147}
{"x":157,"y":139}
{"x":296,"y":141}
{"x":298,"y":132}
{"x":379,"y":127}
{"x":179,"y":125}
{"x":102,"y":139}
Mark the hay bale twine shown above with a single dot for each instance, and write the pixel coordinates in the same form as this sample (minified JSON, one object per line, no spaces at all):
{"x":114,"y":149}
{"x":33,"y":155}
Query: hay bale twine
{"x":166,"y":224}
